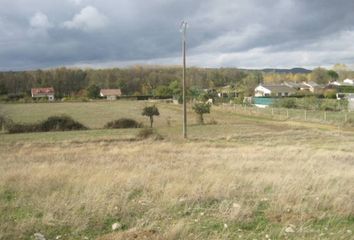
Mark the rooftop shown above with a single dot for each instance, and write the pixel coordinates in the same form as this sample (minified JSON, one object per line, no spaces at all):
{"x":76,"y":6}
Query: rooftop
{"x":111,"y":92}
{"x":279,"y":88}
{"x":38,"y":91}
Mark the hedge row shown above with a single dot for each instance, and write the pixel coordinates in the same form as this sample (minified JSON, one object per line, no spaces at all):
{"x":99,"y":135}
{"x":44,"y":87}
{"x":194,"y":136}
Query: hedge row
{"x":123,"y":123}
{"x":312,"y":103}
{"x":62,"y":123}
{"x":55,"y":123}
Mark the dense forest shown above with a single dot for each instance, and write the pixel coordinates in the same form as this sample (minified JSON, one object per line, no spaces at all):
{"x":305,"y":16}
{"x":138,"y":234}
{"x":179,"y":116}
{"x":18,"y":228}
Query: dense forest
{"x":147,"y":80}
{"x":133,"y":81}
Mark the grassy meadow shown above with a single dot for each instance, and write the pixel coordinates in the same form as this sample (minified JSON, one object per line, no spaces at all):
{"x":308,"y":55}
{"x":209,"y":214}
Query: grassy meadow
{"x":237,"y":177}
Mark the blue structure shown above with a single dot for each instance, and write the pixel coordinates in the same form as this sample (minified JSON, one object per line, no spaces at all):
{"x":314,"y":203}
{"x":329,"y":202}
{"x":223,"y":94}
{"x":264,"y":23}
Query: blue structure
{"x":264,"y":101}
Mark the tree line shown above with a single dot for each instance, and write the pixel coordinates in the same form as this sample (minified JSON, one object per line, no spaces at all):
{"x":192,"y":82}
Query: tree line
{"x":146,"y":80}
{"x":137,"y":80}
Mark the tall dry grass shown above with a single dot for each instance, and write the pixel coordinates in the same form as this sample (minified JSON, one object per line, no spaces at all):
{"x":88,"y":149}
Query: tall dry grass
{"x":193,"y":190}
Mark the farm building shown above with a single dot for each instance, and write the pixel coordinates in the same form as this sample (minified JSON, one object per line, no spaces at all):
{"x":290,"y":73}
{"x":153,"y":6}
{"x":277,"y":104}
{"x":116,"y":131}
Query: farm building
{"x":43,"y":93}
{"x":348,"y":81}
{"x":334,"y":83}
{"x":111,"y":94}
{"x":228,"y":91}
{"x":274,"y":90}
{"x":312,"y":87}
{"x":295,"y":85}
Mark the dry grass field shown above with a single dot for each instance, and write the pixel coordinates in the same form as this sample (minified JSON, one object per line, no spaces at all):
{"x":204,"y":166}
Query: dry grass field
{"x":242,"y":178}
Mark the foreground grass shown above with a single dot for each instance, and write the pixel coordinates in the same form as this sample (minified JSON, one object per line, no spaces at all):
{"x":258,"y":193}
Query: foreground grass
{"x":244,"y":178}
{"x":80,"y":189}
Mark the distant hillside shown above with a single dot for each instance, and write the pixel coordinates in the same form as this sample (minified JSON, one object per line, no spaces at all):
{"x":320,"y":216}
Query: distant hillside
{"x":293,"y":70}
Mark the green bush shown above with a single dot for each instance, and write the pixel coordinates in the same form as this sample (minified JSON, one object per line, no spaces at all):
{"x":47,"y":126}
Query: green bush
{"x":349,"y":122}
{"x":285,"y":103}
{"x":200,"y":109}
{"x":4,"y":122}
{"x":22,"y":128}
{"x":328,"y":105}
{"x":60,"y":123}
{"x":123,"y":123}
{"x":312,"y":103}
{"x":146,"y":133}
{"x":54,"y":123}
{"x":93,"y":91}
{"x":345,"y":89}
{"x":330,"y":93}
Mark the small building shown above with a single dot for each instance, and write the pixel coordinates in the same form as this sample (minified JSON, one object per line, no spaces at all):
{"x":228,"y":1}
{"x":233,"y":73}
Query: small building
{"x":43,"y":93}
{"x":296,"y":86}
{"x":334,"y":83}
{"x":227,"y":91}
{"x":111,"y":94}
{"x":313,"y":87}
{"x":348,"y":81}
{"x":274,"y":91}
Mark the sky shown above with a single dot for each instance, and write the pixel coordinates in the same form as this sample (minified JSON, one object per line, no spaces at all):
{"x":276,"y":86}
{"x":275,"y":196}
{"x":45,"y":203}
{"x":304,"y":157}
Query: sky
{"x":221,"y":33}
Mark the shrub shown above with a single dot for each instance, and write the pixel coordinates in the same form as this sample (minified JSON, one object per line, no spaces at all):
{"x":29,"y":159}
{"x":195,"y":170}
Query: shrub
{"x":312,"y":103}
{"x":4,"y":122}
{"x":212,"y":122}
{"x":330,"y":93}
{"x":93,"y":91}
{"x":22,"y":128}
{"x":123,"y":123}
{"x":60,"y":123}
{"x":149,"y":133}
{"x":200,"y":109}
{"x":55,"y":123}
{"x":349,"y":122}
{"x":285,"y":103}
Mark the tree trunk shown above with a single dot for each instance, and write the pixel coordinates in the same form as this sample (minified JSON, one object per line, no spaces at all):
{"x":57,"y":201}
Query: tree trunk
{"x":200,"y":119}
{"x":151,"y":121}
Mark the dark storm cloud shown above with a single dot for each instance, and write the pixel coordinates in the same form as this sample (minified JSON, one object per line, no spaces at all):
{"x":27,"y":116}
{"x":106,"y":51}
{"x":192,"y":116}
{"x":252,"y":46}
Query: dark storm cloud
{"x":253,"y":33}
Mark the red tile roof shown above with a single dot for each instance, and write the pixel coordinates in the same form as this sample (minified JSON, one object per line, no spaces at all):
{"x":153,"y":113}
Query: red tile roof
{"x":111,"y":92}
{"x":42,"y":91}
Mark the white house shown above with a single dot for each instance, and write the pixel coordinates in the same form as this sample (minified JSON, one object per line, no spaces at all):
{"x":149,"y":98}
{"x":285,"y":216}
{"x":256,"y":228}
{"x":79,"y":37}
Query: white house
{"x":335,"y":83}
{"x":43,"y":93}
{"x":273,"y":90}
{"x":111,"y":94}
{"x":348,"y":81}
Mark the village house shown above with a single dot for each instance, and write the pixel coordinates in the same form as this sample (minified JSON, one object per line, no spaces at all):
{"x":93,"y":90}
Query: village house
{"x":348,"y":82}
{"x":334,"y":83}
{"x":227,"y":91}
{"x":295,"y":85}
{"x":312,"y":87}
{"x":111,"y":94}
{"x":43,"y":93}
{"x":274,"y":91}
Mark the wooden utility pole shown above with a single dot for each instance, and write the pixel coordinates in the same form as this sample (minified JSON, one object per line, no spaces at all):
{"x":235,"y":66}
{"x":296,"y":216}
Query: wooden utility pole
{"x":184,"y":33}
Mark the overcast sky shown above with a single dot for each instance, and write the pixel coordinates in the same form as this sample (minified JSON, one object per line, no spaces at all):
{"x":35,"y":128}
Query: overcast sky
{"x":222,"y":33}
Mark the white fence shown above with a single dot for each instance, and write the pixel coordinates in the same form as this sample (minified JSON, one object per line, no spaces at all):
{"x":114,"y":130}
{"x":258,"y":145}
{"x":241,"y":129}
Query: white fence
{"x":331,"y":117}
